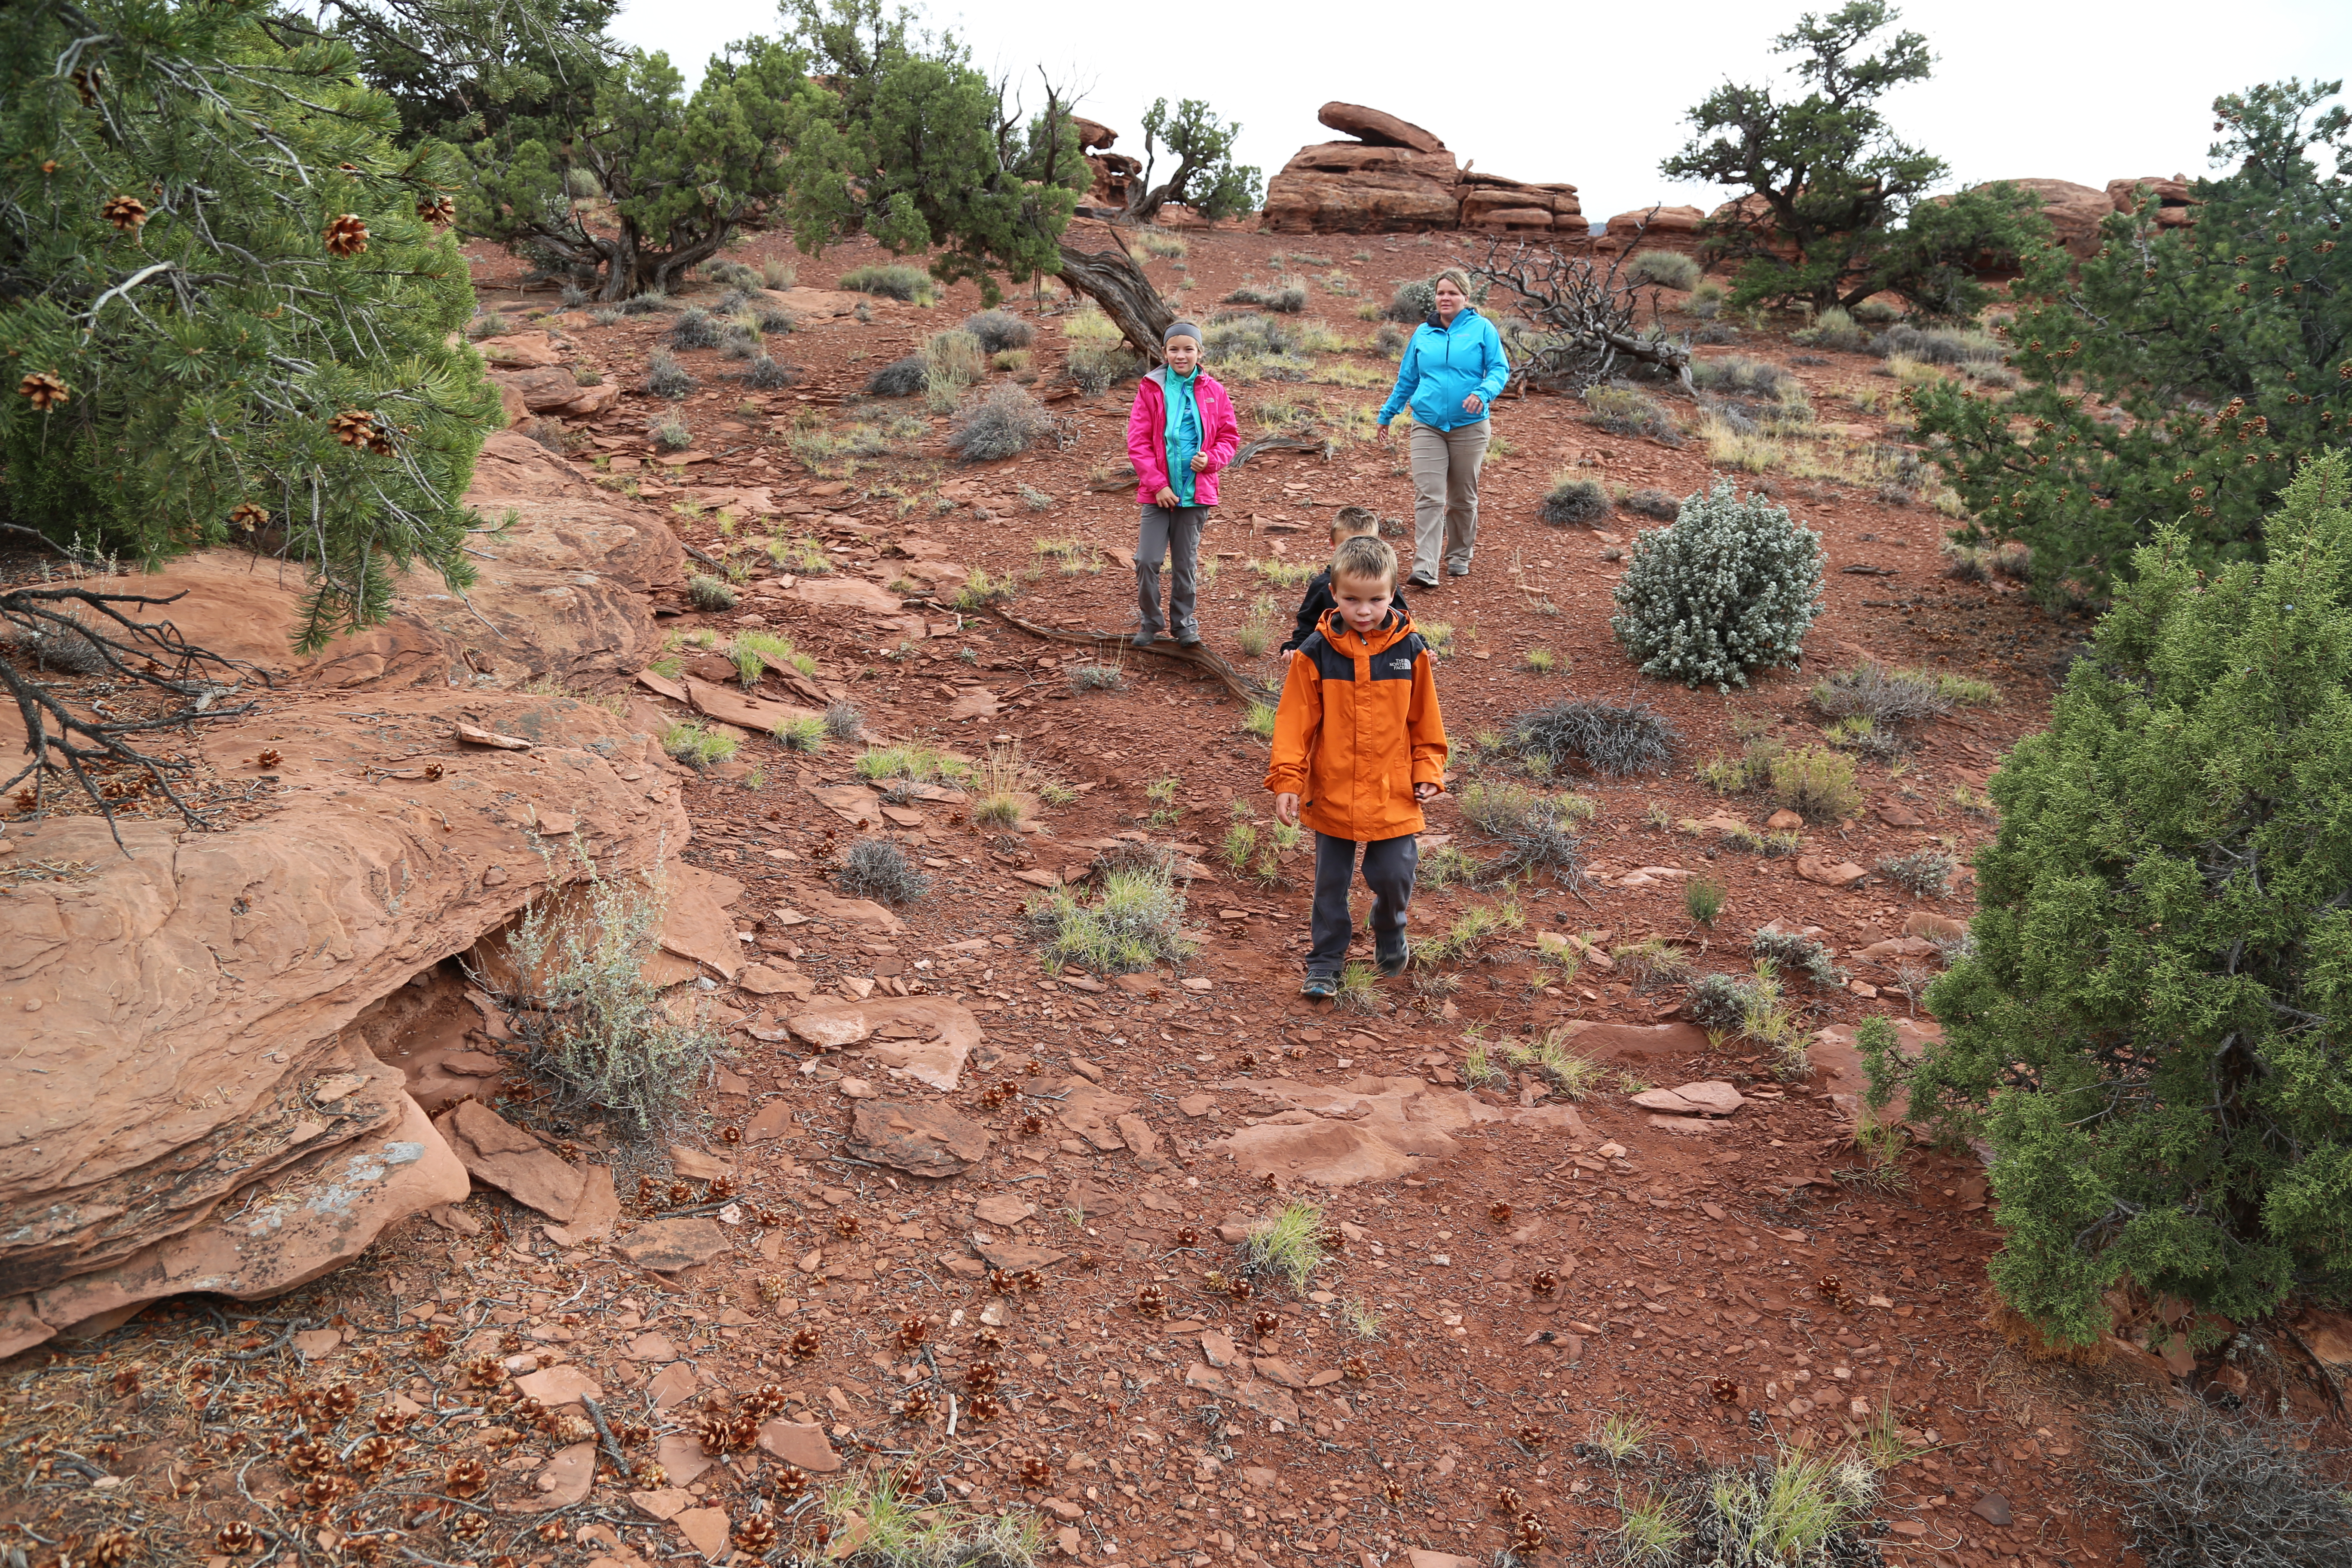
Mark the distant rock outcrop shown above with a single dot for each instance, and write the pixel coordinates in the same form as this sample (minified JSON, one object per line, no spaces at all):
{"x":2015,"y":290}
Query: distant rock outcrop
{"x":1397,"y":178}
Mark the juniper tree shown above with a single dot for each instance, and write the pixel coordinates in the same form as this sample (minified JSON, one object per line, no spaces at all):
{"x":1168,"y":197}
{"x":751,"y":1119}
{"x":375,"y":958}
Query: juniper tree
{"x":1205,"y":178}
{"x":2151,"y":1030}
{"x":922,"y":150}
{"x":2181,"y":374}
{"x":227,"y":301}
{"x":1839,"y":209}
{"x":683,"y":174}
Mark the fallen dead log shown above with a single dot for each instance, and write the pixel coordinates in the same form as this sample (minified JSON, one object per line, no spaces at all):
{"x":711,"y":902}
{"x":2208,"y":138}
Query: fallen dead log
{"x":1199,"y":657}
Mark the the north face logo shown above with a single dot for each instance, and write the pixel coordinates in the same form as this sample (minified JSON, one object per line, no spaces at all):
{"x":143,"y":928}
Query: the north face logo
{"x":1400,"y":664}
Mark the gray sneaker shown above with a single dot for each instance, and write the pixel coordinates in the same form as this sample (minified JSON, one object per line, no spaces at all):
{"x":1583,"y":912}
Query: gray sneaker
{"x":1143,"y":639}
{"x":1457,"y":569}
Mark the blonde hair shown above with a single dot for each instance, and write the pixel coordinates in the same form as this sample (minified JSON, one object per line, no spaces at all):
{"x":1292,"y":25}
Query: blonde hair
{"x":1455,"y":276}
{"x":1351,"y":522}
{"x":1366,"y":557}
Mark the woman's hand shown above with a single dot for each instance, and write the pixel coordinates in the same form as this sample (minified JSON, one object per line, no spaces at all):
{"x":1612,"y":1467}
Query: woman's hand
{"x":1166,"y":500}
{"x":1472,"y":404}
{"x":1385,"y":431}
{"x":1201,"y":462}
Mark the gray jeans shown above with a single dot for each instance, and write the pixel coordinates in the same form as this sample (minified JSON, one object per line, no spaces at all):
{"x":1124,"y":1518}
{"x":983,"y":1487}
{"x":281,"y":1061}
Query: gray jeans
{"x":1170,"y":531}
{"x":1445,"y":495}
{"x":1388,"y":868}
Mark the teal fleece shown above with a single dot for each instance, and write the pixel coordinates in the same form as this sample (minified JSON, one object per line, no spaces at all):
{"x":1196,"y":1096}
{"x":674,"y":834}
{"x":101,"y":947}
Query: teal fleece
{"x":1184,"y":432}
{"x":1443,"y":365}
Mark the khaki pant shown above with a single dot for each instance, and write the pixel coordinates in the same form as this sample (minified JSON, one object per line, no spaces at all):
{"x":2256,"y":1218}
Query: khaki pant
{"x":1445,"y":496}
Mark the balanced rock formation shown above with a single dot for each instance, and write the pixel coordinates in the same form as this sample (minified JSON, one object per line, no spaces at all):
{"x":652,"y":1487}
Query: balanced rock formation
{"x":1115,"y":172}
{"x":1394,"y":177}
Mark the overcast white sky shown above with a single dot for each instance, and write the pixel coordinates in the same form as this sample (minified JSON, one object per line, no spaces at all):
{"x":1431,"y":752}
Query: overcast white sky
{"x":1595,"y":95}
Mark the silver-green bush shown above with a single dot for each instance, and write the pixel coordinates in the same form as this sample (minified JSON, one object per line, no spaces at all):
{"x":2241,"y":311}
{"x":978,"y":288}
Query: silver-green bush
{"x":589,"y":1020}
{"x":1731,"y":587}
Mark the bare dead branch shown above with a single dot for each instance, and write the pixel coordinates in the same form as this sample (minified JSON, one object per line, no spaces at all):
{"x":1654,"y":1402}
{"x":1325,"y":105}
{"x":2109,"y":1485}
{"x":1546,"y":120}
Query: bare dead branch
{"x":1583,"y":320}
{"x":105,"y":635}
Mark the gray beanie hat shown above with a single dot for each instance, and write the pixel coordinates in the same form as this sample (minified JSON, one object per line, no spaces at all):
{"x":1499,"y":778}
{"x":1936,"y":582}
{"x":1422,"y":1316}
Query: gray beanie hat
{"x":1181,"y":329}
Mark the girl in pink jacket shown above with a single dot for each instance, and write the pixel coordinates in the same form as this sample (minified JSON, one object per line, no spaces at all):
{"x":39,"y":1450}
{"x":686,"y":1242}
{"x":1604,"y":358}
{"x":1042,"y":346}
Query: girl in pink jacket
{"x":1180,"y":433}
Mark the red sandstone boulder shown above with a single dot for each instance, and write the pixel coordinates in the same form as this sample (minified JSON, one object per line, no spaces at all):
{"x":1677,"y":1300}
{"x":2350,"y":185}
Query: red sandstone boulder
{"x":2074,"y":211}
{"x":2174,"y":204}
{"x":1359,"y":204}
{"x":1378,"y":129}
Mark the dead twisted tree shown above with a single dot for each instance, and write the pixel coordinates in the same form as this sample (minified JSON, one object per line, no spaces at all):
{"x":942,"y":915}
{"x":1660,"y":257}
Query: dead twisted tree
{"x":66,"y":628}
{"x":1583,"y":320}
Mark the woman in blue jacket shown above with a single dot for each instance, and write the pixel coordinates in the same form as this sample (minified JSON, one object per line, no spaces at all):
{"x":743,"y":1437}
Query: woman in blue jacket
{"x":1452,"y":370}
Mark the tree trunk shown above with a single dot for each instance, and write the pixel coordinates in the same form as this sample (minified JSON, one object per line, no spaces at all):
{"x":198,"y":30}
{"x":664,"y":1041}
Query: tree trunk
{"x":1112,"y":280}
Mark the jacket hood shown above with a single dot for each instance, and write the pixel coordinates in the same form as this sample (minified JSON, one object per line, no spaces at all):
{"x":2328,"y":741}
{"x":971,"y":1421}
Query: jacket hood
{"x":1430,"y":320}
{"x":1389,"y":632}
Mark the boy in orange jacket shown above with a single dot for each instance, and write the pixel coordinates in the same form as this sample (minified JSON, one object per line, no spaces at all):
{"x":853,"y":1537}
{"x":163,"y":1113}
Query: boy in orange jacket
{"x":1358,"y":737}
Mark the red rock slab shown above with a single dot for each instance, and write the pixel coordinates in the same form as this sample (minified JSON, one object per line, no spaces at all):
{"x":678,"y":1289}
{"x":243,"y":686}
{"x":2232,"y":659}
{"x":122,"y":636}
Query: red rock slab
{"x":1377,"y":127}
{"x":669,"y":1244}
{"x":1828,"y":873}
{"x":1092,"y":1112}
{"x":519,"y":351}
{"x":297,"y":1223}
{"x":733,"y":705}
{"x":1637,"y":1042}
{"x":496,"y":1151}
{"x":560,"y":1385}
{"x":830,"y":906}
{"x":594,"y":1215}
{"x":801,"y":1444}
{"x":704,"y":1529}
{"x":847,"y":593}
{"x":922,"y":1139}
{"x":565,"y":1481}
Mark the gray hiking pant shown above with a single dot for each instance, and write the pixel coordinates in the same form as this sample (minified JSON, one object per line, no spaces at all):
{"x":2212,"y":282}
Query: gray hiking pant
{"x":1388,"y":868}
{"x":1170,"y":531}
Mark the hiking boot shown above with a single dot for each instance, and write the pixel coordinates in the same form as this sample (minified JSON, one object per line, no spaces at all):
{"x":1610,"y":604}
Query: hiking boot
{"x":1321,"y":987}
{"x":1143,"y":639}
{"x":1391,"y":964}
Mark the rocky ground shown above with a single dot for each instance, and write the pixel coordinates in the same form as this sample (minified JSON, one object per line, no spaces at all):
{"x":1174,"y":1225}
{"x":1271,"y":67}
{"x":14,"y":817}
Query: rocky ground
{"x":951,"y":1234}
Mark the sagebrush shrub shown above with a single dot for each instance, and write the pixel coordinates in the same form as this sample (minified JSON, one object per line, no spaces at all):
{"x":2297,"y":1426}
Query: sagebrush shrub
{"x":768,"y":374}
{"x":1004,"y":424}
{"x":875,"y":867}
{"x":1667,"y":268}
{"x":1413,"y":301}
{"x":912,"y":284}
{"x":665,"y":378}
{"x":1651,"y":502}
{"x":1094,"y":368}
{"x":1289,"y":296}
{"x":2150,"y":1032}
{"x":900,"y":378}
{"x":1817,"y":783}
{"x":588,"y":1018}
{"x":1573,"y":501}
{"x":1835,"y":330}
{"x":695,"y":328}
{"x":1614,"y":738}
{"x":1537,"y":831}
{"x":1623,"y":411}
{"x":706,"y":592}
{"x":1247,"y":333}
{"x":1794,"y":950}
{"x":999,"y":329}
{"x":1732,"y":587}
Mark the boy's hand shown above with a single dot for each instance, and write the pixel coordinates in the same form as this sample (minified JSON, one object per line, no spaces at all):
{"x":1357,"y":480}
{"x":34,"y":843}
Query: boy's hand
{"x":1286,"y":810}
{"x":1427,"y":791}
{"x":1166,"y":498}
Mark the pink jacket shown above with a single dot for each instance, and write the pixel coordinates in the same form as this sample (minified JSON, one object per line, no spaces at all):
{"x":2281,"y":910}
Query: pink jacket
{"x":1147,"y":428}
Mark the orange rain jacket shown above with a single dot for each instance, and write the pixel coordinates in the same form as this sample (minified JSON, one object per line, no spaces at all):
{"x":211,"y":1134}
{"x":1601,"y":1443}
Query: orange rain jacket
{"x":1357,"y":728}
